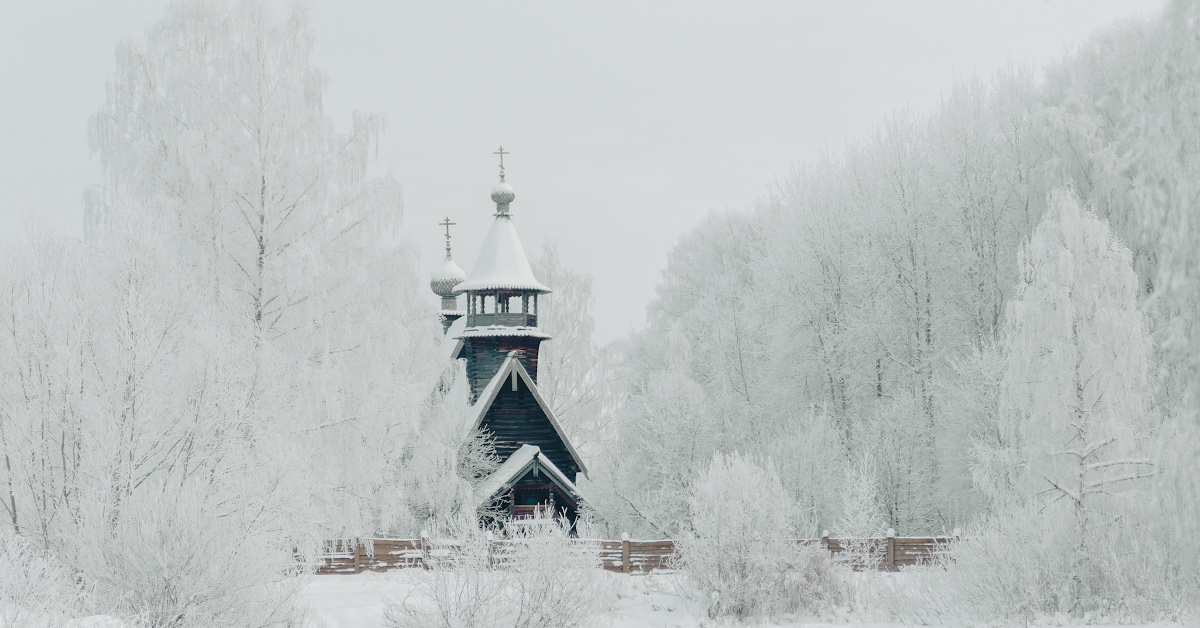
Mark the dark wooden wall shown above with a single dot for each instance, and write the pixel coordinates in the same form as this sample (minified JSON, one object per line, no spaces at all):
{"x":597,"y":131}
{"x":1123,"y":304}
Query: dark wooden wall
{"x":515,"y":418}
{"x":486,"y":355}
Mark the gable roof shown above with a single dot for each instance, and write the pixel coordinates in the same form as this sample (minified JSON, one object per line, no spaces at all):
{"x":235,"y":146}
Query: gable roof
{"x":502,"y":264}
{"x":515,"y":468}
{"x":512,"y":368}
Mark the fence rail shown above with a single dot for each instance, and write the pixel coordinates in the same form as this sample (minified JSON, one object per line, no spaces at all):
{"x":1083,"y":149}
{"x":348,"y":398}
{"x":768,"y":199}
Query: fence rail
{"x":624,"y":556}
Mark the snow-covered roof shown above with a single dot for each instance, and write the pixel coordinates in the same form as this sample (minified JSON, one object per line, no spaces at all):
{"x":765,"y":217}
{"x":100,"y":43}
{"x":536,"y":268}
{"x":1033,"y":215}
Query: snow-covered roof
{"x":502,"y":264}
{"x":515,"y":467}
{"x":512,"y":367}
{"x":501,"y":330}
{"x":451,"y":342}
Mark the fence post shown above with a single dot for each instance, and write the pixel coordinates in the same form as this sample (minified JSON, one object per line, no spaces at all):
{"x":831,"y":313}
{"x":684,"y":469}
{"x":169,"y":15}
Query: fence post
{"x":357,"y":556}
{"x":625,"y":552}
{"x":825,"y":539}
{"x":891,"y":549}
{"x":424,"y":549}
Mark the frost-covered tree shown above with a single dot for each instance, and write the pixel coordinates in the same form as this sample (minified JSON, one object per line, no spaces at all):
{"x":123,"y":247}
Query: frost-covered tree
{"x":36,"y":589}
{"x":1075,"y":385}
{"x":571,"y":369}
{"x":1076,"y":366}
{"x":431,"y":485}
{"x":213,"y":127}
{"x":236,"y":362}
{"x":671,"y":436}
{"x":215,"y":122}
{"x":143,"y":449}
{"x":862,"y":519}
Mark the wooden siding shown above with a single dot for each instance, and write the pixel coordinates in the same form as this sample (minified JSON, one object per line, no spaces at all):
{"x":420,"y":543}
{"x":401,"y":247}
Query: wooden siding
{"x":486,"y":355}
{"x":515,"y":419}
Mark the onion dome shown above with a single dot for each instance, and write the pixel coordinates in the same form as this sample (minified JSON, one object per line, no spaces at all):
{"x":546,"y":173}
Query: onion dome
{"x":503,"y":194}
{"x":445,"y":277}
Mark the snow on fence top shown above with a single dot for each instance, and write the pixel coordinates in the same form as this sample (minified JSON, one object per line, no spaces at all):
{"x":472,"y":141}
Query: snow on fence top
{"x":624,"y":556}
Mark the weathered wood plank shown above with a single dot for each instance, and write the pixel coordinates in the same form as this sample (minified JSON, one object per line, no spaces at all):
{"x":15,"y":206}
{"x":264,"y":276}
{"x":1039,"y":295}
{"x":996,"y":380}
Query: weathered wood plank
{"x":645,"y":556}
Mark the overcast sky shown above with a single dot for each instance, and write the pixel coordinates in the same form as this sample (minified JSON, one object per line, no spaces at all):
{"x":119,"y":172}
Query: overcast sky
{"x":627,"y":121}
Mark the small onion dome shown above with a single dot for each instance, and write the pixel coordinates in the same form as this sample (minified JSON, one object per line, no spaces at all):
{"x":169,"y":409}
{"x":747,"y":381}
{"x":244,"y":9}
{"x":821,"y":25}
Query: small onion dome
{"x":445,"y":277}
{"x":503,"y":194}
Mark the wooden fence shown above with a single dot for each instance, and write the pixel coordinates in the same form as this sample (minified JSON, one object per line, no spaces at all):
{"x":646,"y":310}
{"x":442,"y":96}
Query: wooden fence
{"x":624,"y":556}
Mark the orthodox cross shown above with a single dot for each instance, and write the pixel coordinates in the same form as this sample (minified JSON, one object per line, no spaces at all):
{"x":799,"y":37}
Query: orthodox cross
{"x":502,"y":153}
{"x":447,"y":224}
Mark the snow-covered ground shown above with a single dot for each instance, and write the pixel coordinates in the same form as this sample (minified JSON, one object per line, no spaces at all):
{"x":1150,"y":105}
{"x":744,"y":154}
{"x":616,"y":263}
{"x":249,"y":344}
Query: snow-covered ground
{"x":653,"y":601}
{"x":357,"y":601}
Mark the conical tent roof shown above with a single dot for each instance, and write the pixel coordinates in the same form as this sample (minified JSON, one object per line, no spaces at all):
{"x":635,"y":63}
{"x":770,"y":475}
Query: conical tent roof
{"x":502,"y":264}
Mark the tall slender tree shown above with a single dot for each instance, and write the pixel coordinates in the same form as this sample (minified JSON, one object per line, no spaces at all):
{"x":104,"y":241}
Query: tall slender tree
{"x":1076,"y":384}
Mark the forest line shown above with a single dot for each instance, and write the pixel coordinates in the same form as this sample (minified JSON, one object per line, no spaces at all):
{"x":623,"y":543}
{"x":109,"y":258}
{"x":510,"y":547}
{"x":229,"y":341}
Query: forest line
{"x":983,"y":317}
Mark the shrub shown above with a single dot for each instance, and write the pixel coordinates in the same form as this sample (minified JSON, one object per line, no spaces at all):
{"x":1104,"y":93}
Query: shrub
{"x":741,"y":554}
{"x":539,"y":577}
{"x":461,"y":590}
{"x":181,"y":563}
{"x":557,"y":580}
{"x":1024,"y":565}
{"x":35,"y":591}
{"x":861,"y":519}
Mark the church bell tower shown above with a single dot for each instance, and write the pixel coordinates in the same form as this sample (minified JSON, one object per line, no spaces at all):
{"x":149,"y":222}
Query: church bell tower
{"x":502,"y":299}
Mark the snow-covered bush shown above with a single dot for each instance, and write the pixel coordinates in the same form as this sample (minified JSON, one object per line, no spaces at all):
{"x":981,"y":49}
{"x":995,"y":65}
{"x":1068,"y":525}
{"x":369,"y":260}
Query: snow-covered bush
{"x":539,"y":577}
{"x":861,"y":519}
{"x":461,"y":590}
{"x":1014,"y":566}
{"x":742,"y":555}
{"x":189,"y":561}
{"x":1022,"y":565}
{"x":35,"y":590}
{"x":557,"y":580}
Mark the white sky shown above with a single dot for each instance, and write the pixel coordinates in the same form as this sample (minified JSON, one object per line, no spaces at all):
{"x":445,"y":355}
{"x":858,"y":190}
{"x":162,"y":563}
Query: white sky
{"x":627,"y":120}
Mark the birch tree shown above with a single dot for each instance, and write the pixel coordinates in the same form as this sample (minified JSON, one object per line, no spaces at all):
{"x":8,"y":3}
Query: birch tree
{"x":213,"y":126}
{"x":215,"y":121}
{"x":1076,"y":380}
{"x":571,"y":369}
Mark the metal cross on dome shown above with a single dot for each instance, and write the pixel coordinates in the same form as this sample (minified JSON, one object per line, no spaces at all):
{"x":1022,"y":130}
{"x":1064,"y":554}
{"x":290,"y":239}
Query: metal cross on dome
{"x":447,"y":224}
{"x":502,"y":153}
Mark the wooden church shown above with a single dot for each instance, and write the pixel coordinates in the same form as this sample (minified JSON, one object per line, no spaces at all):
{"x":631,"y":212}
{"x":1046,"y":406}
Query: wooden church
{"x":497,"y":335}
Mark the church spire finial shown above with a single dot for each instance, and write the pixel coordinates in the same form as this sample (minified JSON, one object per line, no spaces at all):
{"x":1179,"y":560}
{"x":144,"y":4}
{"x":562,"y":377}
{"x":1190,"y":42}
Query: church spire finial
{"x":502,"y":193}
{"x":447,"y":224}
{"x":502,"y":153}
{"x":443,"y":280}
